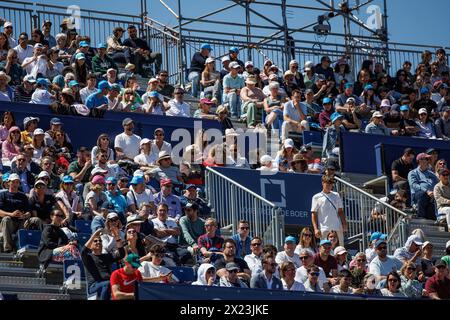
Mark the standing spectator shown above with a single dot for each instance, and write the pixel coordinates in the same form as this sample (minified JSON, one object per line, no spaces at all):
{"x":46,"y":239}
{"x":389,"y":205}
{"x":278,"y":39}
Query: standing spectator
{"x":116,"y":49}
{"x":332,"y":137}
{"x":254,"y":260}
{"x":393,"y":286}
{"x":178,"y":107}
{"x":325,"y":260}
{"x":441,"y":61}
{"x":14,"y":211}
{"x":232,"y":85}
{"x":327,"y":211}
{"x":198,"y":63}
{"x":165,"y":88}
{"x":422,"y":181}
{"x":266,"y":278}
{"x":438,"y":286}
{"x":289,"y":253}
{"x":441,"y":194}
{"x":242,"y":239}
{"x":382,"y":264}
{"x":126,"y":144}
{"x":400,"y":169}
{"x":287,"y":272}
{"x":192,"y":227}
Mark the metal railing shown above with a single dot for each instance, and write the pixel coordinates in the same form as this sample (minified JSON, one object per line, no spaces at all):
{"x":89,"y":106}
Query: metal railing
{"x":98,"y":25}
{"x":366,"y":214}
{"x":233,"y":202}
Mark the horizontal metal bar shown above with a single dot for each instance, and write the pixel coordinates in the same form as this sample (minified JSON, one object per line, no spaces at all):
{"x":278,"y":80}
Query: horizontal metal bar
{"x":241,"y":187}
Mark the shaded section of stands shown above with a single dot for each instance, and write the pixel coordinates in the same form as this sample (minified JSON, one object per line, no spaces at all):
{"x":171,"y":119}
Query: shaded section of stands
{"x":291,"y":192}
{"x":358,"y":150}
{"x":84,"y":131}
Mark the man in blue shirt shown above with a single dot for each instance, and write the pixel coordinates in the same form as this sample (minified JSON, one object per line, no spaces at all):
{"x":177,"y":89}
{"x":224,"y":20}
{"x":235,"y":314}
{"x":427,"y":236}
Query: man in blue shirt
{"x":116,"y":198}
{"x":232,"y":85}
{"x":422,"y":181}
{"x":98,"y":100}
{"x":242,"y":239}
{"x":197,"y":66}
{"x":172,"y":201}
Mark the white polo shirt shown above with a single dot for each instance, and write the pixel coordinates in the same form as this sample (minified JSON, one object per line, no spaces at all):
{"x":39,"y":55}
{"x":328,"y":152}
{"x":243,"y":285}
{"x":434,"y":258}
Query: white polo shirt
{"x":128,"y":144}
{"x":327,"y":206}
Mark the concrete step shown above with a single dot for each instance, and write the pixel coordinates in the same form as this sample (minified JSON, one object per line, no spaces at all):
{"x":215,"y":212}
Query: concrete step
{"x":31,"y":288}
{"x":20,"y":272}
{"x":11,"y":264}
{"x":7,"y":256}
{"x":438,"y":234}
{"x":37,"y":295}
{"x":426,"y":228}
{"x":438,"y":242}
{"x":24,"y":281}
{"x":418,"y":221}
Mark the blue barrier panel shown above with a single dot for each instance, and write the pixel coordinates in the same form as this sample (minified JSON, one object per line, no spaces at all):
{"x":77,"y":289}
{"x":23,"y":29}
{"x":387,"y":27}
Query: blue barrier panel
{"x":84,"y":131}
{"x":291,"y":192}
{"x":358,"y":149}
{"x":158,"y":291}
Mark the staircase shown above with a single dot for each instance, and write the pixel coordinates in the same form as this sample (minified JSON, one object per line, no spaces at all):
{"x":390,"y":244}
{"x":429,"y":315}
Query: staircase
{"x":436,"y":234}
{"x":21,"y":279}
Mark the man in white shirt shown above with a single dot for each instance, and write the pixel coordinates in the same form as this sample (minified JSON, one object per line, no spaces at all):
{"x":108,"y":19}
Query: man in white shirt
{"x":178,"y":108}
{"x":327,"y":211}
{"x":307,"y":259}
{"x":138,"y":194}
{"x":38,"y":60}
{"x":24,"y":50}
{"x":90,"y":88}
{"x":288,"y":254}
{"x":146,"y":158}
{"x":167,"y":225}
{"x":126,"y":144}
{"x":159,"y":144}
{"x":8,"y":30}
{"x":382,"y":264}
{"x":254,"y":260}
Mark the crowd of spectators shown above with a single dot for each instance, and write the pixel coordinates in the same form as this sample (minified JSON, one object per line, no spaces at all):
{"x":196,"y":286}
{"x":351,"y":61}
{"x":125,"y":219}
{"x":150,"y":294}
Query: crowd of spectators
{"x":148,"y":214}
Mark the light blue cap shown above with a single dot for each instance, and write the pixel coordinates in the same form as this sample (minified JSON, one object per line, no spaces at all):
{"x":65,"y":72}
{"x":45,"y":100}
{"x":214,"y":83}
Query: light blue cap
{"x":324,"y":242}
{"x":67,"y":179}
{"x":327,"y":100}
{"x":80,"y":56}
{"x":335,"y":116}
{"x":206,"y":46}
{"x":290,"y":239}
{"x":103,"y":85}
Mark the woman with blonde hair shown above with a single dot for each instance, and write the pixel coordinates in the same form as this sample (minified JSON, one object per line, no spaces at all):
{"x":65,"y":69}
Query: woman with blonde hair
{"x":286,"y":155}
{"x":96,"y":197}
{"x":410,"y":285}
{"x":209,"y":76}
{"x":307,"y":241}
{"x":68,"y":201}
{"x":287,"y":273}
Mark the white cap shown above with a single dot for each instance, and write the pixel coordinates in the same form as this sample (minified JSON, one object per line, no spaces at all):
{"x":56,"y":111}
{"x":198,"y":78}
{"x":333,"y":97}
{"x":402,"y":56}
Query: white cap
{"x":111,"y":69}
{"x":98,"y":170}
{"x":249,"y":63}
{"x":274,"y":67}
{"x":13,"y":176}
{"x":39,"y":45}
{"x":209,"y":60}
{"x":339,"y":250}
{"x":231,"y":132}
{"x":351,"y":99}
{"x":43,"y":174}
{"x":144,"y":141}
{"x":7,"y":24}
{"x":38,"y":131}
{"x":446,"y":245}
{"x":308,"y":65}
{"x":385,"y":103}
{"x":265,"y":62}
{"x":427,"y":243}
{"x":138,"y":173}
{"x":423,"y":110}
{"x":377,"y":114}
{"x":153,"y":80}
{"x":40,"y":182}
{"x":289,"y":143}
{"x":266,"y":159}
{"x":273,"y":76}
{"x":226,"y":58}
{"x":29,"y":78}
{"x":293,"y":62}
{"x":234,"y":65}
{"x":112,"y":215}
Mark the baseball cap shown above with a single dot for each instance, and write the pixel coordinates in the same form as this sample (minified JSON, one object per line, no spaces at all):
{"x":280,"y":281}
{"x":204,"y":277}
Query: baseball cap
{"x":38,"y":131}
{"x":234,"y":65}
{"x":289,"y":143}
{"x":73,"y":83}
{"x":158,"y":130}
{"x":336,"y":116}
{"x":137,"y":180}
{"x":179,"y":90}
{"x":98,"y":170}
{"x":144,"y":141}
{"x":115,"y":87}
{"x":225,"y":59}
{"x":377,"y":114}
{"x":293,"y":62}
{"x":192,"y":205}
{"x":327,"y":101}
{"x":368,"y":87}
{"x":98,"y":180}
{"x":133,"y":259}
{"x":339,"y":250}
{"x":426,"y":243}
{"x":43,"y":174}
{"x":151,"y":80}
{"x":55,"y":121}
{"x":234,"y":49}
{"x":379,"y":242}
{"x":111,"y":180}
{"x":165,"y":182}
{"x":103,"y":85}
{"x":188,"y":186}
{"x":325,"y":242}
{"x":377,"y":235}
{"x":7,"y":24}
{"x":440,"y":263}
{"x":112,"y":215}
{"x":290,"y":239}
{"x":126,"y":121}
{"x":424,"y":90}
{"x":422,"y":156}
{"x":273,"y":76}
{"x":38,"y":45}
{"x":385,"y":103}
{"x":210,"y":60}
{"x":29,"y":78}
{"x":84,"y":44}
{"x":80,"y":56}
{"x":248,"y":63}
{"x":404,"y":108}
{"x":266,"y":159}
{"x":416,"y":239}
{"x":101,"y":46}
{"x":206,"y":101}
{"x":42,"y":81}
{"x":431,"y":151}
{"x":422,"y":111}
{"x":38,"y":182}
{"x":351,"y":99}
{"x":206,"y":46}
{"x":443,"y":172}
{"x":13,"y":176}
{"x":230,"y":266}
{"x":29,"y":119}
{"x":308,"y":65}
{"x":67,"y":179}
{"x":348,"y":85}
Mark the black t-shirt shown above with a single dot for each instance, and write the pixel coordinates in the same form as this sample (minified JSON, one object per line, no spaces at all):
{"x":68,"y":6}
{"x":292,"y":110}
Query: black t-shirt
{"x":220,"y":263}
{"x":407,"y":123}
{"x":10,"y":202}
{"x":43,"y":209}
{"x":390,"y":119}
{"x":147,"y":227}
{"x":136,"y":43}
{"x":198,"y":62}
{"x":98,"y":268}
{"x":402,"y":168}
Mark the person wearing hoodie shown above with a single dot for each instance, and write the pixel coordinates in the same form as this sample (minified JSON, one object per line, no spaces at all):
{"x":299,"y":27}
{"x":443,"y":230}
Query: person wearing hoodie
{"x":411,"y":252}
{"x":206,"y":275}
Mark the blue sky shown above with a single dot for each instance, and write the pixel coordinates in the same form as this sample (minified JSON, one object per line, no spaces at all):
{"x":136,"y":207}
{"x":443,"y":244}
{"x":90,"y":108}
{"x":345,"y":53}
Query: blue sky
{"x":409,"y":20}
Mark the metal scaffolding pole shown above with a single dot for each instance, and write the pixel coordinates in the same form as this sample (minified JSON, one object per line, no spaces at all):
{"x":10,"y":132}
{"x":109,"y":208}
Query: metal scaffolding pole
{"x":248,"y":29}
{"x":286,"y":36}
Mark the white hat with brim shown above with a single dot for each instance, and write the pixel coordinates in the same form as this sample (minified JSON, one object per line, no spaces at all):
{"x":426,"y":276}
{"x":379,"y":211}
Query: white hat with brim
{"x":5,"y":75}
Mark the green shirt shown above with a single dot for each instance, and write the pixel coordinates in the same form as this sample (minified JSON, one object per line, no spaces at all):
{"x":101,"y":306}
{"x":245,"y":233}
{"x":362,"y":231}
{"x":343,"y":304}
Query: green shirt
{"x":191,"y":231}
{"x":74,"y":167}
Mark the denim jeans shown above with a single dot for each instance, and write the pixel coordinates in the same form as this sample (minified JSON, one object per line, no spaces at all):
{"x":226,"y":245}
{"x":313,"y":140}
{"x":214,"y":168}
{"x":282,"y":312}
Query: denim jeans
{"x":194,"y":77}
{"x":235,"y":103}
{"x":102,"y":288}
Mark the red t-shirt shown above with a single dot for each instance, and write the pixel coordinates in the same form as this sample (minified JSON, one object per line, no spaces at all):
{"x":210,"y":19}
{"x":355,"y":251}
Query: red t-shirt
{"x":442,"y":288}
{"x":328,"y":265}
{"x":125,"y":281}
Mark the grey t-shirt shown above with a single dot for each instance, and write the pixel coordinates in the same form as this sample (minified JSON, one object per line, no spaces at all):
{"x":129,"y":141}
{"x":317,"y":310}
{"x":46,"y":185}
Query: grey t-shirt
{"x":382,"y":268}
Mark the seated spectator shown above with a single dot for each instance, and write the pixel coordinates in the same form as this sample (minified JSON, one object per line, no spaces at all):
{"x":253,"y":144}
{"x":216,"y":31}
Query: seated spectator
{"x":341,"y":104}
{"x":342,"y":71}
{"x":229,"y":256}
{"x":426,"y":126}
{"x":41,"y":205}
{"x":376,"y":126}
{"x":369,"y":98}
{"x":254,"y":260}
{"x":393,"y":286}
{"x":442,"y":124}
{"x":351,"y":120}
{"x":11,"y":146}
{"x":266,"y":278}
{"x":331,"y":139}
{"x":166,"y":196}
{"x":252,"y":99}
{"x":210,"y":244}
{"x":427,"y":260}
{"x":138,"y":194}
{"x":123,"y":280}
{"x":158,"y":144}
{"x":307,"y":241}
{"x":24,"y":171}
{"x":232,"y":85}
{"x":223,"y":118}
{"x":230,"y":279}
{"x":6,"y":92}
{"x":114,"y":98}
{"x":191,"y":196}
{"x":325,"y":260}
{"x":154,"y":104}
{"x":242,"y":239}
{"x":114,"y":196}
{"x":12,"y":68}
{"x":23,"y":49}
{"x":286,"y":155}
{"x":382,"y":264}
{"x":358,"y":268}
{"x":209,"y":77}
{"x":14,"y":211}
{"x":288,"y":254}
{"x":54,"y":67}
{"x":42,"y":95}
{"x":411,"y":287}
{"x":204,"y":110}
{"x":294,"y":114}
{"x":153,"y":271}
{"x":7,"y":121}
{"x":101,"y":63}
{"x":129,"y":102}
{"x":408,"y":125}
{"x":192,"y":227}
{"x":68,"y":200}
{"x":274,"y":106}
{"x":165,"y":88}
{"x":422,"y":181}
{"x":312,"y":283}
{"x":198,"y":64}
{"x":340,"y":253}
{"x":135,"y":241}
{"x":146,"y":159}
{"x":411,"y":252}
{"x":96,"y":197}
{"x":37,"y":64}
{"x":437,"y":287}
{"x":178,"y":108}
{"x":324,"y":68}
{"x":46,"y":29}
{"x":90,"y":87}
{"x":206,"y":275}
{"x":166,"y":170}
{"x":287,"y":272}
{"x":116,"y":49}
{"x":267,"y":164}
{"x":55,"y":245}
{"x":345,"y":280}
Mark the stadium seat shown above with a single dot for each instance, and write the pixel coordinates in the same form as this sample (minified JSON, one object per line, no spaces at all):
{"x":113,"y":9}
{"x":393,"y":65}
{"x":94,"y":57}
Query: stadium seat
{"x":29,"y":239}
{"x":184,"y":274}
{"x":313,"y":137}
{"x":83,"y":226}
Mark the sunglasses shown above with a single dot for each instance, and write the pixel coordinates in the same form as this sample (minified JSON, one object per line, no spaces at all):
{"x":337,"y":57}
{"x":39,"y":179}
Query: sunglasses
{"x":40,"y":186}
{"x":256,"y":244}
{"x":393,"y":280}
{"x":411,"y":268}
{"x":20,"y":160}
{"x":131,"y":231}
{"x":159,"y":255}
{"x":307,"y":235}
{"x":304,"y":257}
{"x":245,"y":228}
{"x":233,"y":271}
{"x":209,"y":225}
{"x":314,"y":274}
{"x":159,"y":135}
{"x":97,"y":241}
{"x":382,"y":248}
{"x":361,"y":260}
